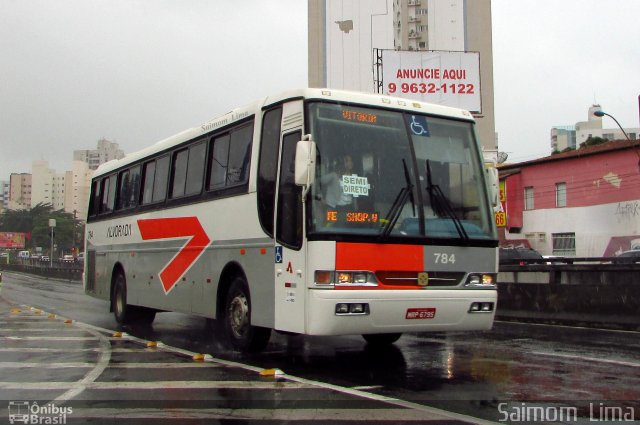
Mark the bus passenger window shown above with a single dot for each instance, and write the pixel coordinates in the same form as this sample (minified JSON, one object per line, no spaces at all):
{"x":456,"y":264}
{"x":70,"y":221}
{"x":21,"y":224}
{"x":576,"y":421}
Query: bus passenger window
{"x":160,"y":181}
{"x":195,"y":169}
{"x":180,"y":159}
{"x":219,"y":158}
{"x":239,"y":155}
{"x":108,"y":194}
{"x":148,"y":177}
{"x":123,"y":190}
{"x":188,"y":169}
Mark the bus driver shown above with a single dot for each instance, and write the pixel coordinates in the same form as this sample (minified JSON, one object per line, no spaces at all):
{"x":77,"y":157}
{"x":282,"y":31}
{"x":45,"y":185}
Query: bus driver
{"x":335,"y":197}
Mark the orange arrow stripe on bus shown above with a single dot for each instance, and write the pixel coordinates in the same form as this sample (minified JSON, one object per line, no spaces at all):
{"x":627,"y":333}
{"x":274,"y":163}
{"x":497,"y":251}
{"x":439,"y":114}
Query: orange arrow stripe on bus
{"x":179,"y":227}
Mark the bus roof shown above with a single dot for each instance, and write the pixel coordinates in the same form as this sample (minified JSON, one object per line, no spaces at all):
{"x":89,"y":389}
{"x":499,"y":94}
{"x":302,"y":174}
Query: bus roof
{"x":238,"y":114}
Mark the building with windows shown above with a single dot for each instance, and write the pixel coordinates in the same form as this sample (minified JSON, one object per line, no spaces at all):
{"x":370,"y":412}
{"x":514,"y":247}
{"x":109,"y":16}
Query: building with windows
{"x":429,"y":25}
{"x":104,"y":152}
{"x":47,"y":186}
{"x":581,"y":203}
{"x":4,"y":195}
{"x":570,"y":137}
{"x":77,"y":187}
{"x":19,"y":191}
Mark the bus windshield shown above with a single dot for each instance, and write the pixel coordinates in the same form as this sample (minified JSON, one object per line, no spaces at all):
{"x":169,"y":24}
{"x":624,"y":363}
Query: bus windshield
{"x":384,"y":174}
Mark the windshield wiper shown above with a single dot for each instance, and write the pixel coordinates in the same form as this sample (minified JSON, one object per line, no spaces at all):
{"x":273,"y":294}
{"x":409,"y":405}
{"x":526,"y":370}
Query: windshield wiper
{"x":441,"y":204}
{"x":398,"y":204}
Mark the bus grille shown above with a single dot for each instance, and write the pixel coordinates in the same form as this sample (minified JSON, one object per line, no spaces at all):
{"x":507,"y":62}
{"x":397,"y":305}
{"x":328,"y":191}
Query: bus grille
{"x":413,"y":279}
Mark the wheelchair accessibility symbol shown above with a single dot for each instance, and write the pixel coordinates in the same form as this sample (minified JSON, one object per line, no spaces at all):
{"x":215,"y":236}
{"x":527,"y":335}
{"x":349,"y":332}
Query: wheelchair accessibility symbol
{"x":419,"y":126}
{"x":278,"y":254}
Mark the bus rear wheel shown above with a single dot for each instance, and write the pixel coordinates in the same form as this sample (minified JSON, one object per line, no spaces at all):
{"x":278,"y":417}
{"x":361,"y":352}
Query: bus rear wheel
{"x":381,"y":339}
{"x":238,"y":329}
{"x":125,"y":313}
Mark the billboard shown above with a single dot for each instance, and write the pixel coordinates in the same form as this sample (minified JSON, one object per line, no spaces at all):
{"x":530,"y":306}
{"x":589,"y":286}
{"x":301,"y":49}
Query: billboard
{"x":12,"y":240}
{"x":444,"y":78}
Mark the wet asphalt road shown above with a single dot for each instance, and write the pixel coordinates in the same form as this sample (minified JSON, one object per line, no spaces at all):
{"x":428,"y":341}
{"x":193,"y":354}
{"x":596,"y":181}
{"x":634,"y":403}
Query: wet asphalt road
{"x":503,"y":375}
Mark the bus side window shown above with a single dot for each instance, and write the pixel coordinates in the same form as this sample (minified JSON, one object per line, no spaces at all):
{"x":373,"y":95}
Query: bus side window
{"x":148,"y":176}
{"x":161,"y":179}
{"x":180,"y":159}
{"x":195,"y":169}
{"x":108,"y":194}
{"x":134,"y":187}
{"x":268,"y":168}
{"x":219,"y":162}
{"x":94,"y":202}
{"x":239,"y":155}
{"x":289,"y":227}
{"x":124,"y":187}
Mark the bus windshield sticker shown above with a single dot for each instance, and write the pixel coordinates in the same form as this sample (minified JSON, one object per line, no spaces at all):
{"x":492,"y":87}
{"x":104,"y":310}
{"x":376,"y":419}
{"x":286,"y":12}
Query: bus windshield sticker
{"x":355,"y":185}
{"x":419,"y":126}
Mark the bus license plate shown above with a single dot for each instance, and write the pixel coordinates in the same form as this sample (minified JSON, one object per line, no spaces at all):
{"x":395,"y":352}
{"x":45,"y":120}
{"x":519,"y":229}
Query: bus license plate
{"x":420,"y":313}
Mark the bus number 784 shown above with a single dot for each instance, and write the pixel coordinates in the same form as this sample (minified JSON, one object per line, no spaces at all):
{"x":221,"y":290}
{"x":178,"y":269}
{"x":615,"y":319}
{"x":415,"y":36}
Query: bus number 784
{"x":444,"y":258}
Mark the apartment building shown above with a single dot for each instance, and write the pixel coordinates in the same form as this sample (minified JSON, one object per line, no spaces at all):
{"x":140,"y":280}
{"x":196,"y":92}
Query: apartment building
{"x":19,"y":191}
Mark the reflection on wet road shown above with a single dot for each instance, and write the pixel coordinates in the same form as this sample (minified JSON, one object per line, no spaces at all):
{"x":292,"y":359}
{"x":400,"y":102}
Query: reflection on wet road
{"x":497,"y":375}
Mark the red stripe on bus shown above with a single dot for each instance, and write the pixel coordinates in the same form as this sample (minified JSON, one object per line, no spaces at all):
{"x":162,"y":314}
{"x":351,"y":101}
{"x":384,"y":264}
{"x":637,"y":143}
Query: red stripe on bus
{"x":179,"y":227}
{"x":374,"y":257}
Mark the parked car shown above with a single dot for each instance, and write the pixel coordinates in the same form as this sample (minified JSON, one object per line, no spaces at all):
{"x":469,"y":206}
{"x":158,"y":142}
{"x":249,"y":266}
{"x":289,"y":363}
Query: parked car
{"x":45,"y":258}
{"x":520,"y":256}
{"x":67,"y":258}
{"x":628,"y":257}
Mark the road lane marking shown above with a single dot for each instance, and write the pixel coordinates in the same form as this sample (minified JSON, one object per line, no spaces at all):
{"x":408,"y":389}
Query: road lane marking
{"x":153,"y":385}
{"x":318,"y":415}
{"x":285,"y":382}
{"x":72,"y":350}
{"x":49,"y":338}
{"x":66,"y":365}
{"x":104,"y":358}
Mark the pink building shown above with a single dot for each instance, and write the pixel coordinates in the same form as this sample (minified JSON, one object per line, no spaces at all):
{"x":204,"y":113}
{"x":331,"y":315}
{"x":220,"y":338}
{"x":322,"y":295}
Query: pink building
{"x":582,"y":203}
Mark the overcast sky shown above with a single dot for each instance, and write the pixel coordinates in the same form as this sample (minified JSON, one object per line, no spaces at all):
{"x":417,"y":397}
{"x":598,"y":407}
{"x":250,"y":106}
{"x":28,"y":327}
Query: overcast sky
{"x":136,"y":71}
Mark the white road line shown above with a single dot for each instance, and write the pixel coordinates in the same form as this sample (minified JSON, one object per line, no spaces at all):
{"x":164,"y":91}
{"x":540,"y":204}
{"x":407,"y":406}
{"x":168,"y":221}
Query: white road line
{"x":279,"y":415}
{"x":103,"y":362}
{"x":55,"y":329}
{"x":293,"y":380}
{"x":72,"y":350}
{"x":67,"y":365}
{"x":588,"y":359}
{"x":151,"y":385}
{"x":49,"y":338}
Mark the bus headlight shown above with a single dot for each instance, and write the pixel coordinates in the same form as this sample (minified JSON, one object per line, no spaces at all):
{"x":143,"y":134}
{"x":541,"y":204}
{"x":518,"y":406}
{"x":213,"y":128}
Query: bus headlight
{"x":481,"y":280}
{"x":339,"y":278}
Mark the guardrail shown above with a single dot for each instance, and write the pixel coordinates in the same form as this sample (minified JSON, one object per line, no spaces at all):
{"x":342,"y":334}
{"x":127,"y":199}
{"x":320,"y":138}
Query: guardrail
{"x":72,"y":272}
{"x":586,"y":291}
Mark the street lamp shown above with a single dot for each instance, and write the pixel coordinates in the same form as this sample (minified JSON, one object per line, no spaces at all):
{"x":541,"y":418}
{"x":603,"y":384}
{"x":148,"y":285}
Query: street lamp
{"x":601,"y":114}
{"x":52,"y":225}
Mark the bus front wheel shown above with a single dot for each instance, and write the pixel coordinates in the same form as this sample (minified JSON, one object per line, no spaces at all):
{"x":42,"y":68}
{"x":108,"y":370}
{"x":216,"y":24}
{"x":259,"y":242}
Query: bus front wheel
{"x":237,"y":320}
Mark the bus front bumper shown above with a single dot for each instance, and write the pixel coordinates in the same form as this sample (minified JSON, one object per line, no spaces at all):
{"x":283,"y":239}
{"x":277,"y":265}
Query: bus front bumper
{"x":348,"y":312}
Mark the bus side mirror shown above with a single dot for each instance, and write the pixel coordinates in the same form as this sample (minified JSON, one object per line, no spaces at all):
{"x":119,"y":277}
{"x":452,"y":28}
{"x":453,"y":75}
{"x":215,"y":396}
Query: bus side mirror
{"x":305,"y":167}
{"x":493,"y":182}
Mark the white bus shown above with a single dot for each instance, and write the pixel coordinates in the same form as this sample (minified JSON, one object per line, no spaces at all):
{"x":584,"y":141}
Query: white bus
{"x":318,"y":212}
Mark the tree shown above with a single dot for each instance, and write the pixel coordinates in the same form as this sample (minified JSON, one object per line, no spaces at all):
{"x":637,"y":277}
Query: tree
{"x":592,"y":141}
{"x":35,"y":222}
